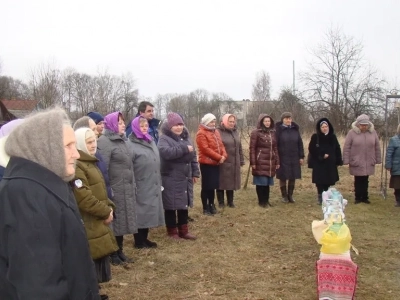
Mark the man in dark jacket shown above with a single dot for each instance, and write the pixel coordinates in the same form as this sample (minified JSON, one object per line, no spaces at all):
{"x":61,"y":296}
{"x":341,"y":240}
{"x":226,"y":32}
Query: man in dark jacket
{"x":146,"y":109}
{"x":44,"y":252}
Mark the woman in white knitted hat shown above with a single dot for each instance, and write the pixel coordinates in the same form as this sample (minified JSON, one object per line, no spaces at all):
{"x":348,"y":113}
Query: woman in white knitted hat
{"x":212,"y":153}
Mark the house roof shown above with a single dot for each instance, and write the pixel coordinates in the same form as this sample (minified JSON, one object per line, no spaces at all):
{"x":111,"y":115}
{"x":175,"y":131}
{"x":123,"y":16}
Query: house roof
{"x":25,"y":105}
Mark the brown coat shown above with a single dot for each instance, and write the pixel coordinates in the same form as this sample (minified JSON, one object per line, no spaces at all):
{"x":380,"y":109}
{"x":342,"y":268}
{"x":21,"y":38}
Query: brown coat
{"x":362,"y":151}
{"x":229,"y":171}
{"x":263,"y":149}
{"x":210,"y":146}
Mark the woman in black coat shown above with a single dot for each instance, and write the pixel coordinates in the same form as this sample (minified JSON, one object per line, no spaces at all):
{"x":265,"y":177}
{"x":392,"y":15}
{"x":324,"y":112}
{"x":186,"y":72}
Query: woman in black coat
{"x":291,"y":155}
{"x":325,"y":156}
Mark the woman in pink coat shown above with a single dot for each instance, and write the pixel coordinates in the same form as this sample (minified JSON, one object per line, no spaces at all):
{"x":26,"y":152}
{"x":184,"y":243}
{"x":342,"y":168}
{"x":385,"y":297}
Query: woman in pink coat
{"x":361,"y":152}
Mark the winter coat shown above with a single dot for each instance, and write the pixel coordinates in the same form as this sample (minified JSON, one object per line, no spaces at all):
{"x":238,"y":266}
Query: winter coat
{"x":178,"y":167}
{"x":44,"y":253}
{"x":361,"y":151}
{"x":103,"y":168}
{"x":146,"y":165}
{"x":95,"y":207}
{"x":1,"y":172}
{"x":290,"y":149}
{"x":229,"y":171}
{"x":325,"y":170}
{"x":393,"y":155}
{"x":211,"y":148}
{"x":114,"y":151}
{"x":263,"y":149}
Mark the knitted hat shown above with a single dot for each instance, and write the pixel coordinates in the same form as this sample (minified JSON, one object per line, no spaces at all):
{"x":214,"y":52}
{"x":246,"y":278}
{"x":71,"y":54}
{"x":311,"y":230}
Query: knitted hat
{"x":286,"y":115}
{"x":363,"y":120}
{"x":207,"y":119}
{"x":97,"y":118}
{"x":44,"y":147}
{"x":174,"y":119}
{"x":82,"y":134}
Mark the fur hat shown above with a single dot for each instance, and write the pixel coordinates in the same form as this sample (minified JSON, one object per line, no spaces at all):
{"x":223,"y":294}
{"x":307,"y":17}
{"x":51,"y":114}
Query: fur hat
{"x":82,"y":134}
{"x":207,"y":119}
{"x":45,"y":146}
{"x":286,"y":115}
{"x":174,"y":119}
{"x":97,"y":118}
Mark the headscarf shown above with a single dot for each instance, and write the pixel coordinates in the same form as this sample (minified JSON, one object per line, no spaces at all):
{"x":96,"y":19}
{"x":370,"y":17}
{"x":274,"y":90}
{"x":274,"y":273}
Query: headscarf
{"x":136,"y":130}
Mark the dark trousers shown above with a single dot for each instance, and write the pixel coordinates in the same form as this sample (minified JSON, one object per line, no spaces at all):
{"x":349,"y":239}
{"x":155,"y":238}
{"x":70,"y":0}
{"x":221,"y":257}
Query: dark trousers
{"x":322,"y":188}
{"x":174,"y":218}
{"x":207,"y":197}
{"x":361,"y":188}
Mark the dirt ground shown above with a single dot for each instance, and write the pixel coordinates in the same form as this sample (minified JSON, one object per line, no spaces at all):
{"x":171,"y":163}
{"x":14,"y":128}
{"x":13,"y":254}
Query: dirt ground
{"x":249,"y":252}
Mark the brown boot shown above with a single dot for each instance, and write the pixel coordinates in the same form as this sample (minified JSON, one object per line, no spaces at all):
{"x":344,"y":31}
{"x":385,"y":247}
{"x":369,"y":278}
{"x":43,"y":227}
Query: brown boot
{"x":172,"y":232}
{"x":184,"y":232}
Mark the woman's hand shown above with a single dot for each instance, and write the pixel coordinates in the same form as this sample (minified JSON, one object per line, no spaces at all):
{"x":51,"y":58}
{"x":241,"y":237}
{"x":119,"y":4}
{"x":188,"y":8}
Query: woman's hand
{"x":253,"y":167}
{"x":222,"y":160}
{"x":195,"y":179}
{"x":326,"y":156}
{"x":109,"y":219}
{"x":190,"y":148}
{"x":301,"y":161}
{"x":278,"y":166}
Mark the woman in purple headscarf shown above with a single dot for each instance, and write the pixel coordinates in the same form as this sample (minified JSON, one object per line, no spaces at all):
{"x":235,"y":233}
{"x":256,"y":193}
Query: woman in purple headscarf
{"x":113,"y":148}
{"x":146,"y":166}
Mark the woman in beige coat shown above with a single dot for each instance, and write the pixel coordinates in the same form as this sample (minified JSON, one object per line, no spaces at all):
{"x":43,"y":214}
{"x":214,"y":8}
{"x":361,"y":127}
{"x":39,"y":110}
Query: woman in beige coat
{"x":362,"y":152}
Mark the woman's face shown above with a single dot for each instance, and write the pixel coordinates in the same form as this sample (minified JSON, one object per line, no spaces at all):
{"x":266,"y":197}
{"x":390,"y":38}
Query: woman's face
{"x":267,"y":122}
{"x":144,"y":126}
{"x":177,"y":129}
{"x":121,"y":125}
{"x":211,"y":124}
{"x":91,"y":145}
{"x":363,"y":127}
{"x":287,"y":121}
{"x":324,"y":128}
{"x":231,"y":122}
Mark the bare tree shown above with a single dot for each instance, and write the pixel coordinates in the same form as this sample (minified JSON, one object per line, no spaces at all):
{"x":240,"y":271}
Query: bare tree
{"x":338,"y":80}
{"x":262,"y":87}
{"x":11,"y":88}
{"x":46,"y":85}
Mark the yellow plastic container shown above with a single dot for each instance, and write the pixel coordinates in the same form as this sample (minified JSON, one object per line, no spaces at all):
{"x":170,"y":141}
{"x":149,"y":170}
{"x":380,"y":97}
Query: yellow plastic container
{"x":335,"y":240}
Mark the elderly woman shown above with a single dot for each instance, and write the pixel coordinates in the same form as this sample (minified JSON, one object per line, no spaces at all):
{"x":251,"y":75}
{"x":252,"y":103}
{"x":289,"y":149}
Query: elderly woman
{"x":264,"y":158}
{"x":212,"y":154}
{"x":115,"y":153}
{"x":95,"y":207}
{"x":146,"y":166}
{"x":179,"y":170}
{"x":392,"y":164}
{"x":361,"y":152}
{"x":325,"y":156}
{"x":291,"y":155}
{"x":229,"y":172}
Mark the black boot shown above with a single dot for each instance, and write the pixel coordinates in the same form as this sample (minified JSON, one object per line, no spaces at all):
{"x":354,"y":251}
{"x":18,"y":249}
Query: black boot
{"x":149,"y":243}
{"x":220,"y":198}
{"x":206,"y":210}
{"x":319,"y":199}
{"x":213,"y":210}
{"x":290,"y":193}
{"x":284,"y":194}
{"x":121,"y":255}
{"x":115,"y":260}
{"x":140,"y":239}
{"x":229,"y":196}
{"x":266,"y":196}
{"x":260,"y":195}
{"x":397,"y":197}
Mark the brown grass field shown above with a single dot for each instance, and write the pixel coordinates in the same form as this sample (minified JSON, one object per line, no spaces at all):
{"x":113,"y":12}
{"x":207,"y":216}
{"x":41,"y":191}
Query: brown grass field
{"x":249,"y":252}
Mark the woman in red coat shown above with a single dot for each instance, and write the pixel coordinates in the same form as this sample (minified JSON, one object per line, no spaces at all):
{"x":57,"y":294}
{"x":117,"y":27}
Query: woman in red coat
{"x":211,"y":154}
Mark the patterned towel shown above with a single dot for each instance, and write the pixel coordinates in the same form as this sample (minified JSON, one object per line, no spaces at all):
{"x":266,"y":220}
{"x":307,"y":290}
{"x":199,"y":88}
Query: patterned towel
{"x":336,"y":279}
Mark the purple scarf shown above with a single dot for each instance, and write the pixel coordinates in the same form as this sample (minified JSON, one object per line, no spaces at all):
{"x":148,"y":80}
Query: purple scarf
{"x":111,"y":122}
{"x":135,"y":125}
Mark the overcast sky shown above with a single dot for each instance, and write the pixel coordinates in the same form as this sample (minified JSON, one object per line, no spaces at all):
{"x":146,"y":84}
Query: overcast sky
{"x":177,"y":46}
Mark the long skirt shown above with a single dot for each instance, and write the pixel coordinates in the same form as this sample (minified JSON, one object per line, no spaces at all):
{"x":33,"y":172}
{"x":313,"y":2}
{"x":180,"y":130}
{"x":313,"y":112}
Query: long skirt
{"x":209,"y":177}
{"x":103,"y":269}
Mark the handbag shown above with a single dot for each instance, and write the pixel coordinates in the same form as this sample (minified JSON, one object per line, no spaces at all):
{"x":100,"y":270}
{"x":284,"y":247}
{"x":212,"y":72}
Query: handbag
{"x":309,"y":157}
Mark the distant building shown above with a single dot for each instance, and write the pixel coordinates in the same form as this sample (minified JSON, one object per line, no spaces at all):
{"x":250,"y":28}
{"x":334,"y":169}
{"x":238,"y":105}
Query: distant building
{"x":21,"y":108}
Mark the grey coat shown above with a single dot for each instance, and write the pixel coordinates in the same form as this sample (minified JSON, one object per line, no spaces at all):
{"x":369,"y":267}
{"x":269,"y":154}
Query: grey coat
{"x":122,"y":181}
{"x":229,"y":171}
{"x":146,"y":165}
{"x":362,"y":151}
{"x":178,"y":167}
